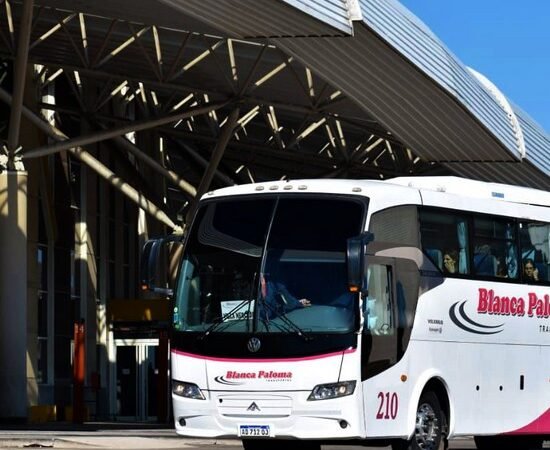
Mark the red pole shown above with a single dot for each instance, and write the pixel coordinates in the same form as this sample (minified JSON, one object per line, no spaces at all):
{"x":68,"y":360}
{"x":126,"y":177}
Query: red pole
{"x":79,"y":372}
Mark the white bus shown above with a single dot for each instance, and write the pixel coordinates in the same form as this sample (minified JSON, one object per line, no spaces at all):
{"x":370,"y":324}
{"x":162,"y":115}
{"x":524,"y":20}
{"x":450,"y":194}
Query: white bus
{"x":407,"y":311}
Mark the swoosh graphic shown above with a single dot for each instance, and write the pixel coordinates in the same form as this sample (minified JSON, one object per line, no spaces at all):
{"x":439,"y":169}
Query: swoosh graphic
{"x":222,"y":380}
{"x":465,"y":318}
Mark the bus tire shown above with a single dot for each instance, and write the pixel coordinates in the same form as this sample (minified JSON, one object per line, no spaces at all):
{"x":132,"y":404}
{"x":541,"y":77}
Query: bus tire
{"x":508,"y":442}
{"x":430,"y":427}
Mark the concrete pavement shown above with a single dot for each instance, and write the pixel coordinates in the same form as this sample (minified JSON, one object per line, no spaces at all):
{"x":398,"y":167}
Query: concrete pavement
{"x":136,"y":436}
{"x":101,"y":435}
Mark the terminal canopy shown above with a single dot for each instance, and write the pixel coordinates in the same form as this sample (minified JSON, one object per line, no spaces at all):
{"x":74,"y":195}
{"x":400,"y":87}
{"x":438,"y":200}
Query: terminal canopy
{"x":309,"y":89}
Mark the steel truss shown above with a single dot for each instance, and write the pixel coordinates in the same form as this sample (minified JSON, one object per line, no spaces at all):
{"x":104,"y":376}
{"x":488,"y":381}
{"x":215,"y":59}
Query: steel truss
{"x":228,"y":111}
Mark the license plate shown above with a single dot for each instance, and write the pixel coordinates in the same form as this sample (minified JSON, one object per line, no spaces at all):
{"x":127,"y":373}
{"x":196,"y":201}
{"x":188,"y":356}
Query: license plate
{"x":254,"y":431}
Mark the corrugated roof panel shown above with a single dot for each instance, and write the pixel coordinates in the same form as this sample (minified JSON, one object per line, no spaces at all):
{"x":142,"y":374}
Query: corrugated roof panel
{"x":332,"y":12}
{"x":395,"y":69}
{"x":518,"y":173}
{"x":537,"y":141}
{"x":286,"y":18}
{"x":406,"y":33}
{"x":403,"y":99}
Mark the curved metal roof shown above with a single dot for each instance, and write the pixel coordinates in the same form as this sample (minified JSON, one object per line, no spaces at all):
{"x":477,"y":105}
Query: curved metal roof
{"x":404,"y":92}
{"x":413,"y":39}
{"x":398,"y":71}
{"x":284,"y":18}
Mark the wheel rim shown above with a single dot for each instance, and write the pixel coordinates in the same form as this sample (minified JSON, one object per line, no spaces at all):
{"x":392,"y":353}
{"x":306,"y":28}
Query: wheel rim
{"x":427,"y":427}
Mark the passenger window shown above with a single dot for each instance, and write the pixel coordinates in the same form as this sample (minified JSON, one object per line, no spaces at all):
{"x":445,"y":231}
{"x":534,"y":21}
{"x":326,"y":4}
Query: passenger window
{"x":495,"y":249}
{"x":377,"y":308}
{"x":535,"y":250}
{"x":445,"y":240}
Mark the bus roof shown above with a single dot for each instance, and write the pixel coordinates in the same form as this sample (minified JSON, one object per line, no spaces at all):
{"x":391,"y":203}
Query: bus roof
{"x":406,"y":189}
{"x":476,"y":189}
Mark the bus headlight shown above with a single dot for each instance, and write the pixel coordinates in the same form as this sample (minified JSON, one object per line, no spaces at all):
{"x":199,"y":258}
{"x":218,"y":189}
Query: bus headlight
{"x":332,"y":390}
{"x":188,"y":390}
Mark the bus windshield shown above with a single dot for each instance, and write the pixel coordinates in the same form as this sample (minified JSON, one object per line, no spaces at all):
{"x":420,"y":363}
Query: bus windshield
{"x":269,"y":265}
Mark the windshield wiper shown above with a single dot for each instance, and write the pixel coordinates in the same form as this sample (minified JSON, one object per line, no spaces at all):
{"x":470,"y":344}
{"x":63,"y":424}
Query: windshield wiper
{"x":218,"y":321}
{"x":290,"y":325}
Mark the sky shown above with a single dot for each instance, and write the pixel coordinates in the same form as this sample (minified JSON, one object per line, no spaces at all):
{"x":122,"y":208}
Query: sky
{"x":507,"y":41}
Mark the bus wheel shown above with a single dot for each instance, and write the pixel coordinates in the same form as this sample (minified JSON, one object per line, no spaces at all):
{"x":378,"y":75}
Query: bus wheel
{"x":430,"y":428}
{"x":508,"y":442}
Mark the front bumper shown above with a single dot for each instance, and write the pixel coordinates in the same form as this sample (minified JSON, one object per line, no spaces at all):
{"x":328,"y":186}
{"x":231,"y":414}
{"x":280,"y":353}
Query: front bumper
{"x":288,"y":414}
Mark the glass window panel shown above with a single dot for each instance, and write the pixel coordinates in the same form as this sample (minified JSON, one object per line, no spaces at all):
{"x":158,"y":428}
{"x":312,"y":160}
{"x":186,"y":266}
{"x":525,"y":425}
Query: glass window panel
{"x":43,"y":314}
{"x":445,"y":241}
{"x":42,"y":364}
{"x":535,"y":251}
{"x":495,"y":248}
{"x":222,"y":272}
{"x":42,"y":261}
{"x":378,"y":310}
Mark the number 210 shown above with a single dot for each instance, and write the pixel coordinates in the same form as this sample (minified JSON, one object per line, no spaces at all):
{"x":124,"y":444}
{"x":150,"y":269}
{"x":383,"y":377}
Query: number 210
{"x":388,"y":405}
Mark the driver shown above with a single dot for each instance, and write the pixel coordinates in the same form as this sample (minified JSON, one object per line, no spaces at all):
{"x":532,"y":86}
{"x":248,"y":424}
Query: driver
{"x":277,"y":299}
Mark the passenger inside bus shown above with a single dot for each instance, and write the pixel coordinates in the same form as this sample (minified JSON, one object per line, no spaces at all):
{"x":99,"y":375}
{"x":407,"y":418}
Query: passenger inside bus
{"x":530,"y":271}
{"x":450,"y":261}
{"x":502,"y":268}
{"x":485,"y":263}
{"x":276,"y":299}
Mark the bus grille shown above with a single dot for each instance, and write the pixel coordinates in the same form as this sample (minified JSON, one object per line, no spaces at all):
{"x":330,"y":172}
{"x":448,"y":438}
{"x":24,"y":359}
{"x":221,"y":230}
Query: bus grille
{"x":254,"y":405}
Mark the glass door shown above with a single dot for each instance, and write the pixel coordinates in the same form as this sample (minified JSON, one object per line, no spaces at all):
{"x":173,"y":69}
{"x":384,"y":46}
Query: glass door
{"x":137,"y":378}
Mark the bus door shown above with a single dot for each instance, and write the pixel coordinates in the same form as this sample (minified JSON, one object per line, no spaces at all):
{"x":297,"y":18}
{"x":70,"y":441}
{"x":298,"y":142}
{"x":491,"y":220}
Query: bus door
{"x":380,"y":315}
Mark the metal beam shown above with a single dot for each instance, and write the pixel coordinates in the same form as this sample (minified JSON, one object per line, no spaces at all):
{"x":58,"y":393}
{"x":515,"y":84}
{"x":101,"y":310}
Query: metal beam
{"x":19,"y":80}
{"x":178,"y":87}
{"x":203,"y":162}
{"x":168,"y":174}
{"x":109,"y":134}
{"x":227,"y":131}
{"x":96,"y":165}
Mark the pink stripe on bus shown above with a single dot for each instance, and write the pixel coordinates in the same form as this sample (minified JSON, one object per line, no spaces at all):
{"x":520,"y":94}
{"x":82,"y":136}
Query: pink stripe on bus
{"x":261,"y":360}
{"x":540,"y":425}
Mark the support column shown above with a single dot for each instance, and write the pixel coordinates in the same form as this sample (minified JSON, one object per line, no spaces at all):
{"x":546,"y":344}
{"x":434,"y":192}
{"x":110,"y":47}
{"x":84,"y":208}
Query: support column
{"x":13,"y":242}
{"x":13,"y":295}
{"x":19,"y":80}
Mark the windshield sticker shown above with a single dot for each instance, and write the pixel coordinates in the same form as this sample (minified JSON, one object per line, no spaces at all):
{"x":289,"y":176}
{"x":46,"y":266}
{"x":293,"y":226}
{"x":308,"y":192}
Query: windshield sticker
{"x":237,"y":310}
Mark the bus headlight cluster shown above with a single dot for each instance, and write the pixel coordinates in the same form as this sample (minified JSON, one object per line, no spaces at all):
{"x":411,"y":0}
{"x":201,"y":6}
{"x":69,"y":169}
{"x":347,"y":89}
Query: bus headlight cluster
{"x":188,"y":390}
{"x":332,"y":390}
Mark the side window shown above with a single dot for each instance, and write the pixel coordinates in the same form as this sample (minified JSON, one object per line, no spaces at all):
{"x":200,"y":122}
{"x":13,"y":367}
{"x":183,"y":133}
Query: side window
{"x":378,"y":310}
{"x":444,"y":239}
{"x":397,"y":225}
{"x":495,"y":249}
{"x":535,"y":250}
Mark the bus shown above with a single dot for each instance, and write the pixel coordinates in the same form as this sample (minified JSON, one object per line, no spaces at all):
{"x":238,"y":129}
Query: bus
{"x":398,"y":311}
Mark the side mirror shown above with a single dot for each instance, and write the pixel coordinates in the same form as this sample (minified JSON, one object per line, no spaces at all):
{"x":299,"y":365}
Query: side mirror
{"x":356,"y":261}
{"x":158,"y":263}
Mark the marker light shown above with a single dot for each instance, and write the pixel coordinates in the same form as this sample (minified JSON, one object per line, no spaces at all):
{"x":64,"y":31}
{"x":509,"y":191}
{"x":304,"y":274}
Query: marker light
{"x":188,"y":390}
{"x":332,"y":390}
